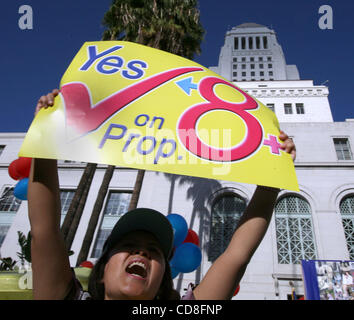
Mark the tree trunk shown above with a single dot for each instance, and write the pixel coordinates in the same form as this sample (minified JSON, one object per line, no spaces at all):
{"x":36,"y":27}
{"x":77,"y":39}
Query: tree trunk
{"x":136,"y":192}
{"x":95,"y":215}
{"x":77,"y":217}
{"x":74,"y":205}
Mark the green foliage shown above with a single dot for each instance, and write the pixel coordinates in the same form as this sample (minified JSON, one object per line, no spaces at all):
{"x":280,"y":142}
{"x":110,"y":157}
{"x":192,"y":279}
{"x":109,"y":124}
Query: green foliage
{"x":7,"y":264}
{"x":169,"y":25}
{"x":25,"y":244}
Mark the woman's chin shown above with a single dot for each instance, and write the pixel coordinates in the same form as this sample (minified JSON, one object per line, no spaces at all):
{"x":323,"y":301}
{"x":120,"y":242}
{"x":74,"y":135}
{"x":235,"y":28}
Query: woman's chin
{"x":136,"y":291}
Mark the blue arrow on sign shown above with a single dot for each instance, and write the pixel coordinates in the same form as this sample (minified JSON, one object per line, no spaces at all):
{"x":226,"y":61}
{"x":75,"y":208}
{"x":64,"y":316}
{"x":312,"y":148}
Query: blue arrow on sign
{"x":186,"y":85}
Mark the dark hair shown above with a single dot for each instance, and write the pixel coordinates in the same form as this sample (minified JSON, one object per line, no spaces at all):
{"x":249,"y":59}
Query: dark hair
{"x":97,"y":290}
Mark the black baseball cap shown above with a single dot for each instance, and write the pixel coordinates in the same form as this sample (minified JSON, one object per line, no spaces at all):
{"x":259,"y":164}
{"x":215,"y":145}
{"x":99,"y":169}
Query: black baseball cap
{"x":143,"y":219}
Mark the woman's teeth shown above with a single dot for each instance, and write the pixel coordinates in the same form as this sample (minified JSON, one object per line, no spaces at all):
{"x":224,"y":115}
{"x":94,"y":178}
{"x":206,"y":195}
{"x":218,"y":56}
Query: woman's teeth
{"x":137,"y":268}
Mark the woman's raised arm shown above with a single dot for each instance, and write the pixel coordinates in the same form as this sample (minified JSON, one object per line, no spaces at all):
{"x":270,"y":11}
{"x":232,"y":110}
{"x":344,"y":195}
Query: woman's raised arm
{"x":50,"y":262}
{"x":227,"y":271}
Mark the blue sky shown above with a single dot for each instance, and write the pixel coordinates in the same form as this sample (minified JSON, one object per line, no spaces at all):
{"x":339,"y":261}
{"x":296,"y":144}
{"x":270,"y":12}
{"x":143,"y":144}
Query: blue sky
{"x":32,"y":62}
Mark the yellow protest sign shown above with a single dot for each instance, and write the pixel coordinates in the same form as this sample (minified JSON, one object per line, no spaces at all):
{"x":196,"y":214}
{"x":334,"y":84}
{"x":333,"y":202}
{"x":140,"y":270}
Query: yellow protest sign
{"x":130,"y":105}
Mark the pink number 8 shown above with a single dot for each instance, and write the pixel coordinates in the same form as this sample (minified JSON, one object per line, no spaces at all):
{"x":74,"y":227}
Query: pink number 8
{"x":186,"y":126}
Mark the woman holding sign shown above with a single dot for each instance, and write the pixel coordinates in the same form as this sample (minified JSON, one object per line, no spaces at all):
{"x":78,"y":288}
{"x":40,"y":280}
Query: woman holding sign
{"x":135,"y":259}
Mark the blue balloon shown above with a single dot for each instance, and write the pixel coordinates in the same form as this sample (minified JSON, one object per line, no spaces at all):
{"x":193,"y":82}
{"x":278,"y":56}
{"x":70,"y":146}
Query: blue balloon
{"x":180,"y":228}
{"x":20,"y":191}
{"x":174,"y":272}
{"x":187,"y":257}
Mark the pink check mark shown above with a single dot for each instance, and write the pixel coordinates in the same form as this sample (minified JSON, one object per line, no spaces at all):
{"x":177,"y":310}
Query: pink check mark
{"x":84,"y":117}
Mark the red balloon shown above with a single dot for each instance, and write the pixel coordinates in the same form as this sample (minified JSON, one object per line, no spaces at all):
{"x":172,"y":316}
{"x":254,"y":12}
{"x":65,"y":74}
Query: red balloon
{"x":237,"y":290}
{"x":12,"y":170}
{"x":192,"y":237}
{"x":23,"y":167}
{"x":86,"y":264}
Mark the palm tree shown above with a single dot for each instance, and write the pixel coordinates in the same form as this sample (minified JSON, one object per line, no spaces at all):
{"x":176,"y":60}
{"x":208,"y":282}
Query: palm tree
{"x":95,"y":215}
{"x":80,"y":208}
{"x":72,"y":217}
{"x":169,"y":25}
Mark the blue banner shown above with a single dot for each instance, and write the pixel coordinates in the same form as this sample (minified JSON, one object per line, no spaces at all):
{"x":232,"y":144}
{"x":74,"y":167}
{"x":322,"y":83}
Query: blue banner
{"x":310,"y":280}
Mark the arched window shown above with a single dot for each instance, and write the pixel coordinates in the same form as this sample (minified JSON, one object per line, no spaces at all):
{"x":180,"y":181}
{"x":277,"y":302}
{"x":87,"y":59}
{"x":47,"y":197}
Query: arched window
{"x":347,"y":210}
{"x":295,"y":239}
{"x":225,"y":215}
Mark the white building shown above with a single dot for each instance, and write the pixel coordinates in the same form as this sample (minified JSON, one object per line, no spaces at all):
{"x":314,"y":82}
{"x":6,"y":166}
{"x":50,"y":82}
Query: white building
{"x":315,"y":223}
{"x":251,"y":52}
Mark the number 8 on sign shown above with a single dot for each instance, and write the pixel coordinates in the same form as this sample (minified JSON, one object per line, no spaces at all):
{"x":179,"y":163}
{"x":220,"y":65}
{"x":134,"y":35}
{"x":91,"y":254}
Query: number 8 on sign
{"x":187,"y":124}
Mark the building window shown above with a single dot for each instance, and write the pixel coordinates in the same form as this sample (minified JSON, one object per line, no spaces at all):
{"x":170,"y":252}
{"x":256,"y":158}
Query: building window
{"x":116,"y":205}
{"x":295,"y":240}
{"x":252,"y":59}
{"x":66,"y":196}
{"x":252,"y":66}
{"x":265,"y":42}
{"x":261,"y":66}
{"x":234,"y":59}
{"x":236,"y":43}
{"x":243,"y":59}
{"x":225,"y":215}
{"x":243,"y":74}
{"x":8,"y":202}
{"x":342,"y":149}
{"x":234,"y":74}
{"x":269,"y":58}
{"x":243,"y":66}
{"x":270,"y":73}
{"x":260,"y":59}
{"x":288,"y":109}
{"x":258,"y":43}
{"x":271,"y":106}
{"x":347,"y":211}
{"x":300,"y":108}
{"x":261,"y":73}
{"x":243,"y":43}
{"x":270,"y":65}
{"x":234,"y":66}
{"x":9,"y":206}
{"x":250,"y":43}
{"x":253,"y":73}
{"x":1,"y":149}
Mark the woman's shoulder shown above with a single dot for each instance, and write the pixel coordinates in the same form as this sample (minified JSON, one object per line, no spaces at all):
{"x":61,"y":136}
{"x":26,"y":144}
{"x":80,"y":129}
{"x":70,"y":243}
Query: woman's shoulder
{"x":76,"y":292}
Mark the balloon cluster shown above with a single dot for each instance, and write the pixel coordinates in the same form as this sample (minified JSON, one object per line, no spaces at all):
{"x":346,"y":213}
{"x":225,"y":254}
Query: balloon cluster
{"x":19,"y":169}
{"x":187,"y":254}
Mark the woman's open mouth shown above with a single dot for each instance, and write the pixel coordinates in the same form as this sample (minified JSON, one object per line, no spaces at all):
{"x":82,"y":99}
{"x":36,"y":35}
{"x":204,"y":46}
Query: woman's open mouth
{"x":137,"y":269}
